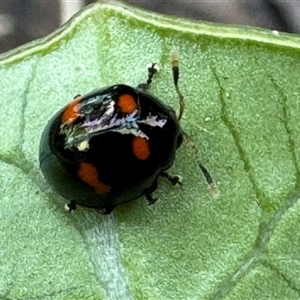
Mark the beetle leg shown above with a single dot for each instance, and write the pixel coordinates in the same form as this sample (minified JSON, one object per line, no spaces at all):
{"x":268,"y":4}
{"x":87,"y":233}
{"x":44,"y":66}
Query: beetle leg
{"x":176,"y":179}
{"x":148,"y":193}
{"x":106,"y":210}
{"x":152,"y":69}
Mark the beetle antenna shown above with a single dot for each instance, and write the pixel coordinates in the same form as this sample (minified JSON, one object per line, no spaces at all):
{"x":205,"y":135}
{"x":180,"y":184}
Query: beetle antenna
{"x":152,"y":70}
{"x":214,"y":191}
{"x":175,"y":71}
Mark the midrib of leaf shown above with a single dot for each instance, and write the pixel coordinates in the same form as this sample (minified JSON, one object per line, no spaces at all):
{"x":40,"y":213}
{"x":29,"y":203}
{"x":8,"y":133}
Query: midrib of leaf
{"x":102,"y":244}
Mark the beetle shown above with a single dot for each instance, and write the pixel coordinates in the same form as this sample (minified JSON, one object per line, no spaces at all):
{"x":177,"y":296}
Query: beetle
{"x":110,"y":146}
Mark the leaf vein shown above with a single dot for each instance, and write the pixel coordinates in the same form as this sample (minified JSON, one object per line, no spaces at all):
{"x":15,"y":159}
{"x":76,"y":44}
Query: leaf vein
{"x":231,"y":128}
{"x":287,"y":280}
{"x":291,"y":141}
{"x":24,"y":106}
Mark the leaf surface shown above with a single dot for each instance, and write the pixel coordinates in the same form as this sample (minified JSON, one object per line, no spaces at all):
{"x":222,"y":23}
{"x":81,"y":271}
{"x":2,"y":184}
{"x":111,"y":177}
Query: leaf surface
{"x":241,"y":87}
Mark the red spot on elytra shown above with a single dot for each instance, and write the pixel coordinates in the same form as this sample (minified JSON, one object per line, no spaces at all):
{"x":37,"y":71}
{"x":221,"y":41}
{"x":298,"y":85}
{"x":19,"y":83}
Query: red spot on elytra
{"x":127,"y":104}
{"x":140,"y":148}
{"x":89,"y":174}
{"x":71,"y":112}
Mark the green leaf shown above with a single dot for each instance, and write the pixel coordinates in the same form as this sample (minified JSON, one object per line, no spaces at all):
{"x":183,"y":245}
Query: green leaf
{"x":241,"y":87}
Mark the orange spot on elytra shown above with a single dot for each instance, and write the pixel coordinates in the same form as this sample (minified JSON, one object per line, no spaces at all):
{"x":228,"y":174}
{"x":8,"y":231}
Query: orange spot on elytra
{"x":89,"y":174}
{"x":71,"y":112}
{"x":140,"y":148}
{"x":127,"y":104}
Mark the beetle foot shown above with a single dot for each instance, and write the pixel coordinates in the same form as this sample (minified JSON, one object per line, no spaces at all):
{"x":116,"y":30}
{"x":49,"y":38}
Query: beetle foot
{"x":77,"y":96}
{"x":143,"y":86}
{"x":174,"y":179}
{"x":150,"y":199}
{"x":70,"y":206}
{"x":148,"y":193}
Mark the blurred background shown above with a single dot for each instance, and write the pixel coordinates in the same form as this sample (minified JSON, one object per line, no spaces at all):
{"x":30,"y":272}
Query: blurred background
{"x":22,"y":21}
